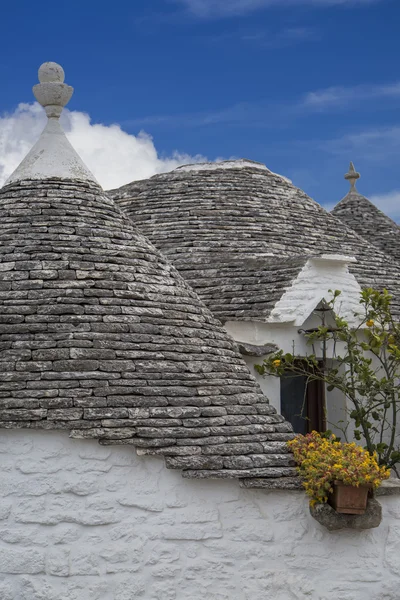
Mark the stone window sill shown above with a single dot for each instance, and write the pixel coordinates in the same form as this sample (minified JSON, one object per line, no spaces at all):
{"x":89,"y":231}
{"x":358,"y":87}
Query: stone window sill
{"x":329,"y":518}
{"x":332,"y":520}
{"x":324,"y":513}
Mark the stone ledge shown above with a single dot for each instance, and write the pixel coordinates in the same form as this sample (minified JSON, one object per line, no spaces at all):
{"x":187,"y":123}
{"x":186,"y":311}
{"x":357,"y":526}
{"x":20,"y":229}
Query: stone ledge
{"x":258,"y":351}
{"x":279,"y":483}
{"x":332,"y":520}
{"x":390,"y":487}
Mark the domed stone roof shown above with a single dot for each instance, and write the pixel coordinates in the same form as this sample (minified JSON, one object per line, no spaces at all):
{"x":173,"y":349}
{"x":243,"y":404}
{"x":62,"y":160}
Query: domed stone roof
{"x":367,"y":220}
{"x":101,"y":336}
{"x":240,"y":234}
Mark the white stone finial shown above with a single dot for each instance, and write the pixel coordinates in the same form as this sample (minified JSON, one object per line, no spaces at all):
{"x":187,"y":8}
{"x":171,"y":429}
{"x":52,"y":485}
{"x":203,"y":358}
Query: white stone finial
{"x":51,"y":72}
{"x":352,"y":176}
{"x":52,"y":93}
{"x":52,"y":157}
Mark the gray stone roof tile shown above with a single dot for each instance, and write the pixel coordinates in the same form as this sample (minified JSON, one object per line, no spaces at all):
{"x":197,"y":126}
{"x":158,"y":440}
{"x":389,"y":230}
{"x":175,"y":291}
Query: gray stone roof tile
{"x":240,"y":235}
{"x":100,"y":336}
{"x":368,"y":221}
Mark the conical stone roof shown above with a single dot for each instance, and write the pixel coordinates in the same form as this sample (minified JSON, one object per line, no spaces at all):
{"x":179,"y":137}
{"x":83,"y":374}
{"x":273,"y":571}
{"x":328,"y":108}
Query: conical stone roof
{"x":101,"y":336}
{"x":240,"y":234}
{"x":359,"y":213}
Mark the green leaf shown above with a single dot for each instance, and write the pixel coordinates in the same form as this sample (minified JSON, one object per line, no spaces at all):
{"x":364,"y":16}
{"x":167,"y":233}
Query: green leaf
{"x":381,"y":447}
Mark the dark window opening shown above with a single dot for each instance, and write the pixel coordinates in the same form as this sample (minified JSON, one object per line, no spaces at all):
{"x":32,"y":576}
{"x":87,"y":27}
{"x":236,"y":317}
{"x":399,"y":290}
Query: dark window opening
{"x":302,"y":403}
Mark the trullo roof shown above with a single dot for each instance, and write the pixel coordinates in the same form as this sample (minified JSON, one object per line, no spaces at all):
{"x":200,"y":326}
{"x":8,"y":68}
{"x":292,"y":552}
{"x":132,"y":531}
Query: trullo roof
{"x":240,"y":234}
{"x":99,"y":334}
{"x":367,"y":220}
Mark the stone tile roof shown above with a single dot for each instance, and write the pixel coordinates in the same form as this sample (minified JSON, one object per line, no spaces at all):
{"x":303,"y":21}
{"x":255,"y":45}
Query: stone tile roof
{"x":240,"y":235}
{"x":101,"y":336}
{"x":367,"y":220}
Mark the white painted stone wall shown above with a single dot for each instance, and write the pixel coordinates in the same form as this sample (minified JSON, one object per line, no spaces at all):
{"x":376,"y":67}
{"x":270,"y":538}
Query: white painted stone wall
{"x":83,"y":522}
{"x":284,"y":335}
{"x":293,"y":313}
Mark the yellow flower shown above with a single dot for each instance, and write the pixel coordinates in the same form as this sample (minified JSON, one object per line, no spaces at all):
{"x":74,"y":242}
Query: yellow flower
{"x":321,"y":460}
{"x":370,"y":323}
{"x":276,"y":363}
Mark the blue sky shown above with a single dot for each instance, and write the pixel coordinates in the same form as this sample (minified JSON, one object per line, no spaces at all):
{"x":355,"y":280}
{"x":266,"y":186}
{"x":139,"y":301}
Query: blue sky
{"x":304,"y":86}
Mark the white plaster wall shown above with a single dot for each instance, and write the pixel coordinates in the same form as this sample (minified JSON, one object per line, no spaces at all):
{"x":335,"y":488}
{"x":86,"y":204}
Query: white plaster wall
{"x":293,"y":311}
{"x":83,"y":522}
{"x":285,"y":336}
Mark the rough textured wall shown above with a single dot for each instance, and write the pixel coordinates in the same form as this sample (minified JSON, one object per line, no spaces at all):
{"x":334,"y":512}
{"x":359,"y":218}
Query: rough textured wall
{"x":85,"y":522}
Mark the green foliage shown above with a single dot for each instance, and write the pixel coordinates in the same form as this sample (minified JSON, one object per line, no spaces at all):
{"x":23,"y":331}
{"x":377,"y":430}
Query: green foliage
{"x":367,"y":371}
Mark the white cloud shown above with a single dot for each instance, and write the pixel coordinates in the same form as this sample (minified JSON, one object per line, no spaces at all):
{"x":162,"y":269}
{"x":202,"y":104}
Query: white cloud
{"x":217,"y":8}
{"x":114,"y":156}
{"x":241,"y":113}
{"x":389,"y":203}
{"x":374,"y":145}
{"x":341,"y":97}
{"x":221,"y":8}
{"x":378,"y":149}
{"x":264,"y":114}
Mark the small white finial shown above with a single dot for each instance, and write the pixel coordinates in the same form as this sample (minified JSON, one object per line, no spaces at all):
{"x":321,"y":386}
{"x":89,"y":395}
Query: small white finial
{"x":352,"y":176}
{"x":52,"y":156}
{"x":50,"y":72}
{"x":52,"y":93}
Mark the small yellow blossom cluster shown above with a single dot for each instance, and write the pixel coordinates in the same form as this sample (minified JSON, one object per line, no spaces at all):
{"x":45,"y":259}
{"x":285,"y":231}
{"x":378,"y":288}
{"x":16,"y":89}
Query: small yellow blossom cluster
{"x":322,"y":460}
{"x":370,"y":323}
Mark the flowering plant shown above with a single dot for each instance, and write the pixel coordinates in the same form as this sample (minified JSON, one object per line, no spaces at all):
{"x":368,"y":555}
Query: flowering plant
{"x":322,"y":460}
{"x":363,"y":365}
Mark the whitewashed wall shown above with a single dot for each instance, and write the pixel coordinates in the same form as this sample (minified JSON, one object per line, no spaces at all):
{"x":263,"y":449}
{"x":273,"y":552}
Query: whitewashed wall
{"x":83,"y":522}
{"x":285,"y":336}
{"x":293,"y":313}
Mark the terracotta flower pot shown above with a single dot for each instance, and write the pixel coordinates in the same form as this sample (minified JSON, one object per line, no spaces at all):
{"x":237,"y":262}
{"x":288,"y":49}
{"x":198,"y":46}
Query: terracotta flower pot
{"x":349,"y":499}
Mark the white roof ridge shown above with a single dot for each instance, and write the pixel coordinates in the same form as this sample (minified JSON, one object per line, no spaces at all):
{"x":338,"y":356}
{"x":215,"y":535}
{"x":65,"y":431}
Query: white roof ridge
{"x":233,"y":163}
